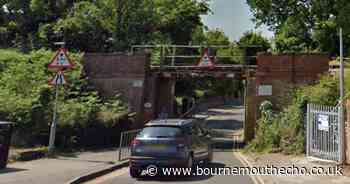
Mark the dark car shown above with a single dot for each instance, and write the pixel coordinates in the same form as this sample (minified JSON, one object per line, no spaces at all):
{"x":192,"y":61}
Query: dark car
{"x":170,"y":143}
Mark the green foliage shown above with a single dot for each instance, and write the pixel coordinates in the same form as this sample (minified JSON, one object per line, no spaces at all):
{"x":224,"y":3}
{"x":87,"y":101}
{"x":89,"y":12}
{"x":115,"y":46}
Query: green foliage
{"x":325,"y":92}
{"x":291,"y":129}
{"x":251,"y":38}
{"x":86,"y":27}
{"x":218,"y":37}
{"x":253,"y":43}
{"x":293,"y":36}
{"x":279,"y":132}
{"x":267,"y":138}
{"x":98,"y":26}
{"x":304,"y":25}
{"x":27,"y":99}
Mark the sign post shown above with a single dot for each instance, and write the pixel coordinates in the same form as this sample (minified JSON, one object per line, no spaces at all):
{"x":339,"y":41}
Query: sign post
{"x":59,"y":63}
{"x":54,"y":123}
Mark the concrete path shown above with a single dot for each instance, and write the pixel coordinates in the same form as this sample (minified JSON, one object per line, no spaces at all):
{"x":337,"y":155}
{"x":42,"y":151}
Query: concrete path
{"x":58,"y":170}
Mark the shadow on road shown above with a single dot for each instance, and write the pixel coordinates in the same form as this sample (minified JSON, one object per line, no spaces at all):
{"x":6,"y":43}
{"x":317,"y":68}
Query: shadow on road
{"x":10,"y":170}
{"x":212,"y":166}
{"x":86,"y":160}
{"x":225,"y":124}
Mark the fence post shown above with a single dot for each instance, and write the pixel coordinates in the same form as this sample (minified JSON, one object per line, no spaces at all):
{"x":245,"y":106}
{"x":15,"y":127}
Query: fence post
{"x":120,"y":146}
{"x":341,"y":134}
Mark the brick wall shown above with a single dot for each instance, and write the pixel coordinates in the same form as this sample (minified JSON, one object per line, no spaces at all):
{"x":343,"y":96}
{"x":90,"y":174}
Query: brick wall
{"x":119,"y":73}
{"x":347,"y":132}
{"x":285,"y":71}
{"x":281,"y":72}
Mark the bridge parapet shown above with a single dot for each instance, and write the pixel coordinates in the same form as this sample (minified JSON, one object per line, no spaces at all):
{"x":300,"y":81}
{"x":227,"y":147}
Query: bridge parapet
{"x":219,"y":71}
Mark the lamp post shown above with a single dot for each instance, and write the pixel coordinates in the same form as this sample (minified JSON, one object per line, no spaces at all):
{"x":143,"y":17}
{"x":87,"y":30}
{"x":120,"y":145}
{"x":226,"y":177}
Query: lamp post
{"x":341,"y":89}
{"x":341,"y":72}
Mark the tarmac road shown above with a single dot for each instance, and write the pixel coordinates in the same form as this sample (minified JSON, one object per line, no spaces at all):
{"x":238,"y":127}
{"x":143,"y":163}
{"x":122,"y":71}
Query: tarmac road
{"x":230,"y":119}
{"x":221,"y":159}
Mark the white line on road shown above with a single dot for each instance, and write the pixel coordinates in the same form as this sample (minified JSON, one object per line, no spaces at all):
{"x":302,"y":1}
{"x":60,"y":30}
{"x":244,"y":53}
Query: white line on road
{"x":241,"y":158}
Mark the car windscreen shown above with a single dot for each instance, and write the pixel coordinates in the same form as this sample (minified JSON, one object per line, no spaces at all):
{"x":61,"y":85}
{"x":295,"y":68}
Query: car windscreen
{"x":160,"y":132}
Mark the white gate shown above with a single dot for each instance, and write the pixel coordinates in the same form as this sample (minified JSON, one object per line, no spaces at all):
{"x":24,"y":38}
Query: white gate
{"x":324,"y":133}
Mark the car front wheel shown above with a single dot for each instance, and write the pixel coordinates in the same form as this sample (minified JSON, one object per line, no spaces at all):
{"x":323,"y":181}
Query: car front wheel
{"x":190,"y":162}
{"x":210,"y":156}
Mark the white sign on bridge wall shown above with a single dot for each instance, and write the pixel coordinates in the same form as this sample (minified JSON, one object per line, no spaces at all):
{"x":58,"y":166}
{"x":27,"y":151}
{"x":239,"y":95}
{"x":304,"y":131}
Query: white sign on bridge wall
{"x":265,"y":90}
{"x":137,"y":83}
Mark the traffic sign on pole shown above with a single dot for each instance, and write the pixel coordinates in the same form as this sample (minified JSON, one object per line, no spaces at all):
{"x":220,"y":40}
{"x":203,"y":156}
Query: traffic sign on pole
{"x":61,"y":60}
{"x":59,"y":79}
{"x":205,"y":60}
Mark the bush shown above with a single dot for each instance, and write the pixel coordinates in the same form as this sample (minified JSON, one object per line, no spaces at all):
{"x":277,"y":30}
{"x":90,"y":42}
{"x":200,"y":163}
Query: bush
{"x":291,"y":129}
{"x":325,"y":92}
{"x":28,"y":100}
{"x":267,"y":138}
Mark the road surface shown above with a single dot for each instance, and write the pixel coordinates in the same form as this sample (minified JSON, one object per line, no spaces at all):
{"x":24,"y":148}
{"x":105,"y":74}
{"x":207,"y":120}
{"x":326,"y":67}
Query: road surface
{"x":229,"y":119}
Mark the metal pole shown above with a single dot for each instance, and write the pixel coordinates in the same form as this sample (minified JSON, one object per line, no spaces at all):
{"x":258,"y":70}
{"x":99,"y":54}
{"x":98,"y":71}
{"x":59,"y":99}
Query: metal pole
{"x":120,"y":147}
{"x":341,"y":65}
{"x":173,"y":57}
{"x":341,"y":85}
{"x":54,"y":123}
{"x":161,"y":56}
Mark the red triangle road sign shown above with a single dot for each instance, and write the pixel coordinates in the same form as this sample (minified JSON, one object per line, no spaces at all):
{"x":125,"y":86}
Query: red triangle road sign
{"x":59,"y":79}
{"x":205,"y":60}
{"x":61,"y":60}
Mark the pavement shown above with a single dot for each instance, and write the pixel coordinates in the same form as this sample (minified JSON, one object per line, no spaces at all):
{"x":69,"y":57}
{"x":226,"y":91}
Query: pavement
{"x":57,"y":170}
{"x":279,"y":160}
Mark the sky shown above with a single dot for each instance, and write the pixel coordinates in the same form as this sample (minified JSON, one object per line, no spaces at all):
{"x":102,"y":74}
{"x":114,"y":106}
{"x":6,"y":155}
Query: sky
{"x":233,"y":17}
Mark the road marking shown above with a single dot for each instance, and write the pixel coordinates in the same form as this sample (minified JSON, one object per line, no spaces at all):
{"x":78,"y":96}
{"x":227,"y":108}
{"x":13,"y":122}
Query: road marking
{"x":241,"y":158}
{"x":109,"y":176}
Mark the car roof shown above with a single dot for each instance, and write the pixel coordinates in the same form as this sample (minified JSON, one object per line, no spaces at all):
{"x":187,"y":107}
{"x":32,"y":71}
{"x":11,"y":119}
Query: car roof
{"x":171,"y":122}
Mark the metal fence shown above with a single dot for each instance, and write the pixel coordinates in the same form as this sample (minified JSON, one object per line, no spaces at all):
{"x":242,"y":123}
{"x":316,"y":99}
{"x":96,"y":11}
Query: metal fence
{"x":324,"y":133}
{"x":126,"y":138}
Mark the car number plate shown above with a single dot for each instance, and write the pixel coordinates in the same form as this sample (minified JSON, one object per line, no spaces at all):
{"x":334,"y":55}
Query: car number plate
{"x":158,"y":147}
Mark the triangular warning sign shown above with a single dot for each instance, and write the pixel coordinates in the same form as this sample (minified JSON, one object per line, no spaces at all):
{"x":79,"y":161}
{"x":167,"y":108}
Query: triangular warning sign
{"x":59,"y":79}
{"x":205,"y":60}
{"x":61,"y":60}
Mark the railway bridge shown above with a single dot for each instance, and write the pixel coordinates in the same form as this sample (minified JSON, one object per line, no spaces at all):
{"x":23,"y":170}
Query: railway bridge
{"x":150,"y":89}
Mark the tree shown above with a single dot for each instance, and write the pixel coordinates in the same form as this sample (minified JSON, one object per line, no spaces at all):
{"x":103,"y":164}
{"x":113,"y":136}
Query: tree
{"x":252,"y":43}
{"x":106,"y":25}
{"x":304,"y":24}
{"x":217,"y":37}
{"x":87,"y":27}
{"x":19,"y":14}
